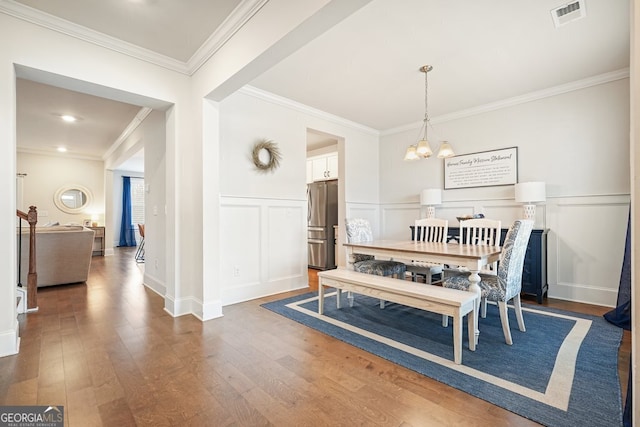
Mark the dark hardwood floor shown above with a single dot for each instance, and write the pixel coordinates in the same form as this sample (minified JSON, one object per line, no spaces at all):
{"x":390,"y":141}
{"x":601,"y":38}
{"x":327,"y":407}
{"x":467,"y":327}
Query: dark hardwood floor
{"x":112,"y":356}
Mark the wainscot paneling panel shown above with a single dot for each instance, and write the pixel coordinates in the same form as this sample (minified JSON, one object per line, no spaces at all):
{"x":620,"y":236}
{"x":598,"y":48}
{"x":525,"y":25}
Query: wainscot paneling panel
{"x":396,"y":220}
{"x":240,"y":242}
{"x":286,"y":246}
{"x":263,"y":247}
{"x":366,"y":211}
{"x":586,"y":247}
{"x":585,"y":243}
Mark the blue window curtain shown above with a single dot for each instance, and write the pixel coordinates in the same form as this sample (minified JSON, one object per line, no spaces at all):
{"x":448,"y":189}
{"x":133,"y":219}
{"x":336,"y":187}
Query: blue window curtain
{"x":127,"y":232}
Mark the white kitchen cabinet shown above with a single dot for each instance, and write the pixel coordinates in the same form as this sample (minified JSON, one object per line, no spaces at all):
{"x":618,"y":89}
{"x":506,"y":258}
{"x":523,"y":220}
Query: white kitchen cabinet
{"x":322,"y":168}
{"x":309,"y":171}
{"x":332,"y":166}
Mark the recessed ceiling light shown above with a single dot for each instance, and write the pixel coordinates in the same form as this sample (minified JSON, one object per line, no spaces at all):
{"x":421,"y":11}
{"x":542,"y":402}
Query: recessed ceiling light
{"x":69,"y":118}
{"x":62,"y":149}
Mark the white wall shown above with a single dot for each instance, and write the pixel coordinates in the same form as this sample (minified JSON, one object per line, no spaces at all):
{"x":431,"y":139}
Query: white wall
{"x":206,"y":156}
{"x":191,"y":157}
{"x":46,"y":174}
{"x":155,"y":176}
{"x":577,"y":142}
{"x":263,"y":234}
{"x":149,"y":135}
{"x":253,"y":49}
{"x":70,"y":61}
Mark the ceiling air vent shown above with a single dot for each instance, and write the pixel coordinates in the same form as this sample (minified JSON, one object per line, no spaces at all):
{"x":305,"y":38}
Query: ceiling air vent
{"x":568,"y":12}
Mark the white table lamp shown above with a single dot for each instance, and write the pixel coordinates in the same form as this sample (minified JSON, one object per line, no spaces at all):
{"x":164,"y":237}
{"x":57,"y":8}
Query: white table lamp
{"x":430,"y":197}
{"x":530,"y":193}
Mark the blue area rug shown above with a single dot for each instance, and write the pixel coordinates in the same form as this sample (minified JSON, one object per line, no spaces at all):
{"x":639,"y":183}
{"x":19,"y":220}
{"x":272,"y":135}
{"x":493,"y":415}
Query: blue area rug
{"x":561,"y":372}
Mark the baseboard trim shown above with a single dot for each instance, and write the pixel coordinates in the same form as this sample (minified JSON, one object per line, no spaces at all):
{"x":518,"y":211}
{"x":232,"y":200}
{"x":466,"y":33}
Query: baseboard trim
{"x":583,"y":294}
{"x":209,"y":310}
{"x":154,"y":284}
{"x":178,"y":307}
{"x":10,"y":341}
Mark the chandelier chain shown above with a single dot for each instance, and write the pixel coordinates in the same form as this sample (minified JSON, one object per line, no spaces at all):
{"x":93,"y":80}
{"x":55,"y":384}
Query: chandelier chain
{"x":422,"y":150}
{"x":426,"y":102}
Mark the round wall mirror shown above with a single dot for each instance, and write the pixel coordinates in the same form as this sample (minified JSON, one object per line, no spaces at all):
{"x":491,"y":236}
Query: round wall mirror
{"x":73,"y":198}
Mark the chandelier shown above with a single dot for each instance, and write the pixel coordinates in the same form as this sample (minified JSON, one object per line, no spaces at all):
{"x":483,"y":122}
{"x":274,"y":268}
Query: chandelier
{"x":422,"y":150}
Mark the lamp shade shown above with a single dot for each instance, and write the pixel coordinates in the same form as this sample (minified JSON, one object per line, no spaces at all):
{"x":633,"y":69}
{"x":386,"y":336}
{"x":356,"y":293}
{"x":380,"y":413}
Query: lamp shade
{"x":445,"y":150}
{"x":411,"y":154}
{"x":529,"y":192}
{"x":431,"y":196}
{"x":423,"y":149}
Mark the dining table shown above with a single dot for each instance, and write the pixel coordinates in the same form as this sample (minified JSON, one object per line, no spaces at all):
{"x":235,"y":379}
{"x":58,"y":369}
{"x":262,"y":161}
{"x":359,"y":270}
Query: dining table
{"x":472,"y":257}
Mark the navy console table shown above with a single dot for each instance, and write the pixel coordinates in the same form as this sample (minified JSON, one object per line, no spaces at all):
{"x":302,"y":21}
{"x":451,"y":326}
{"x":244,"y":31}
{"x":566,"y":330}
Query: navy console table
{"x":534,"y":272}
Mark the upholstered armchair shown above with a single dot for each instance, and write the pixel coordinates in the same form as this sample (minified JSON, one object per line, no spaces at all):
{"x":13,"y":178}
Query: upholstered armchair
{"x":506,"y":285}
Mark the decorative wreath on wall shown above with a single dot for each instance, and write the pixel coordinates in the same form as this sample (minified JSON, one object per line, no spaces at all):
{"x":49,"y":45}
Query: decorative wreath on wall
{"x":266,"y":155}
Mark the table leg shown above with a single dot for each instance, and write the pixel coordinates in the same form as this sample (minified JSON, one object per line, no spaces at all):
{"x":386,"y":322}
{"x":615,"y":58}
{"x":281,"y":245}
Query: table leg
{"x":471,"y":327}
{"x":474,"y":279}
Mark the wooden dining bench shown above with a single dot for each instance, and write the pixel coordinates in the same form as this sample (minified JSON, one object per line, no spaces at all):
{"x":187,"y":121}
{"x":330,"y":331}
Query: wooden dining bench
{"x":452,"y":302}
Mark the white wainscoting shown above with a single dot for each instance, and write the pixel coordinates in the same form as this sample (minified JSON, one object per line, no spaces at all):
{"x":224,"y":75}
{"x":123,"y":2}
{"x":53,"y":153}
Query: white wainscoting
{"x":585,"y":246}
{"x":263,"y":247}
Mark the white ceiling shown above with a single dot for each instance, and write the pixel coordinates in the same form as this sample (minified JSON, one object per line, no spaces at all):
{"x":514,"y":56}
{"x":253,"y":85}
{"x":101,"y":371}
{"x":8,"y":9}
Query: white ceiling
{"x":40,"y":128}
{"x":365,"y":69}
{"x":176,"y":29}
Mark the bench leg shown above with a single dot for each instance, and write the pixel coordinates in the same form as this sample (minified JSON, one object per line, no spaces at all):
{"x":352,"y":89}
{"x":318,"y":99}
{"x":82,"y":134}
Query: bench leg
{"x":457,"y":339}
{"x":320,"y":298}
{"x":338,"y":297}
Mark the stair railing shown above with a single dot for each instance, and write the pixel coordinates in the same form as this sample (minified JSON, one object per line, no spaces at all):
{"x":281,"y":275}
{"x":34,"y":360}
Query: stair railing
{"x":32,"y":277}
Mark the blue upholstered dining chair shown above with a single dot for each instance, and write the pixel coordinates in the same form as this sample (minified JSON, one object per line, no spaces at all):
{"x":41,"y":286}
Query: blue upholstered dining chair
{"x":359,"y":231}
{"x":507,"y":283}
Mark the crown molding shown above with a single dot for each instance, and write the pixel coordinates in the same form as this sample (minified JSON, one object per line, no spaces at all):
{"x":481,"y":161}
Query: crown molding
{"x":510,"y":102}
{"x":288,"y":103}
{"x":137,"y":120}
{"x":63,"y":26}
{"x":236,"y":20}
{"x":505,"y":103}
{"x":66,"y":155}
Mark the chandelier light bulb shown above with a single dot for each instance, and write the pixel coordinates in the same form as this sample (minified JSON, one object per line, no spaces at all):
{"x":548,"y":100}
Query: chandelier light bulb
{"x":423,"y":149}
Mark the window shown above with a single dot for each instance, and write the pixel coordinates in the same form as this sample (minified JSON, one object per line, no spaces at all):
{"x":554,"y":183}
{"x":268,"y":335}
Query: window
{"x":137,"y":200}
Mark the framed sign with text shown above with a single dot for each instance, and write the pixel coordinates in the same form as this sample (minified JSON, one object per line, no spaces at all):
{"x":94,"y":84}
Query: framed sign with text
{"x":484,"y":169}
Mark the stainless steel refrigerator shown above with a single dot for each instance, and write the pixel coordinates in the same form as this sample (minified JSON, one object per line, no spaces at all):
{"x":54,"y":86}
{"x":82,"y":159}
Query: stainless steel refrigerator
{"x":322,"y":215}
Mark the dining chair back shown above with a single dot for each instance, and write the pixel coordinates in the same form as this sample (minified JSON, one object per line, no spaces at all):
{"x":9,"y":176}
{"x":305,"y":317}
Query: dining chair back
{"x":507,"y":283}
{"x":428,"y":230}
{"x":359,"y":231}
{"x":482,"y":231}
{"x":139,"y":256}
{"x":431,"y":230}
